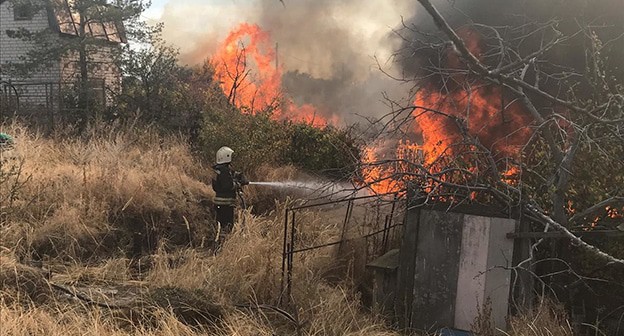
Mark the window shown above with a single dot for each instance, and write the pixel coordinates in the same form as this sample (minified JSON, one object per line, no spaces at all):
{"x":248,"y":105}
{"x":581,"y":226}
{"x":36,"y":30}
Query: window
{"x":97,"y":92}
{"x":24,"y":11}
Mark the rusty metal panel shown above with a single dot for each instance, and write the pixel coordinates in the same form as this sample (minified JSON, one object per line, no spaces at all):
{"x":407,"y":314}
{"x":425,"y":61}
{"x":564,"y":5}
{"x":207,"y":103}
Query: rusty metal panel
{"x":436,"y":269}
{"x":405,"y":274}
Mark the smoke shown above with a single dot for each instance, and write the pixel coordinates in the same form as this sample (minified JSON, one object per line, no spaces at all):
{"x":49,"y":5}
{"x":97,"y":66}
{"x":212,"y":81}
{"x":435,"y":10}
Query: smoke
{"x":316,"y":189}
{"x":491,"y":112}
{"x":517,"y":21}
{"x":328,"y":49}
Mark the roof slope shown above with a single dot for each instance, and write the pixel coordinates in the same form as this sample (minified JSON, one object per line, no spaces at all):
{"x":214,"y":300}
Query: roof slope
{"x":67,"y":21}
{"x":98,"y":26}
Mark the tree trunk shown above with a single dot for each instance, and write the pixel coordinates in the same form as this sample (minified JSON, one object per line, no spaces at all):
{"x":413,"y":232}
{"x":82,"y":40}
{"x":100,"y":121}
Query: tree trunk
{"x":83,"y":90}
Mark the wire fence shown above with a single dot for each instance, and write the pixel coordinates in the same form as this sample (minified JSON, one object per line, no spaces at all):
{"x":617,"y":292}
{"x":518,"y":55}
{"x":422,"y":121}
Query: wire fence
{"x":46,"y":102}
{"x":377,"y":226}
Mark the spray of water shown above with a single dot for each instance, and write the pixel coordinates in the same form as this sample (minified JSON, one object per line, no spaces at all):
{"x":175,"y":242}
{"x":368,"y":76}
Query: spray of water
{"x":291,"y":184}
{"x":313,"y":188}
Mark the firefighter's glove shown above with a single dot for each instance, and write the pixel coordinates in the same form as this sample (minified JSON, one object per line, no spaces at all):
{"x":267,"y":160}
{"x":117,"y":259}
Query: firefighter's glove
{"x":240,"y":179}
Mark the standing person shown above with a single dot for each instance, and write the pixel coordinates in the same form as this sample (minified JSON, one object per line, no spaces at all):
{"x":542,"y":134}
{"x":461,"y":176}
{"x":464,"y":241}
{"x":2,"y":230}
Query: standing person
{"x":226,"y":185}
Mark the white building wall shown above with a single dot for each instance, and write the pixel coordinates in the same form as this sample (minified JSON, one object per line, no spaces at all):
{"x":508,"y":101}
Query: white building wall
{"x":42,"y":86}
{"x":36,"y":88}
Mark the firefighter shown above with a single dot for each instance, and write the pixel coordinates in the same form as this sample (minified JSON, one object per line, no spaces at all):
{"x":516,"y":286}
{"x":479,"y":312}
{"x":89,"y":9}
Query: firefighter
{"x":226,"y":185}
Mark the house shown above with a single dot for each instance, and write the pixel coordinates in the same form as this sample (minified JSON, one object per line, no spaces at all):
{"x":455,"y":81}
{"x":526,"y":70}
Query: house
{"x":45,"y":86}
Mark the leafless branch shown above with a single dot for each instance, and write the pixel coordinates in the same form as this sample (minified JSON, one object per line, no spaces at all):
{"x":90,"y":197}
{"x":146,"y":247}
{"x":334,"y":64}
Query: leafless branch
{"x":540,"y":214}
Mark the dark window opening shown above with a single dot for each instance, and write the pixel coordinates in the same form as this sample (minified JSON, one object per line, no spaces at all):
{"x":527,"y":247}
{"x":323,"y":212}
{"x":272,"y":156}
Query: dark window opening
{"x":24,"y":11}
{"x":97,"y":92}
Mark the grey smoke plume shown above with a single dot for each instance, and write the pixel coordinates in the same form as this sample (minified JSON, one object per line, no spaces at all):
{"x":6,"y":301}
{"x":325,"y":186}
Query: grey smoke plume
{"x":605,"y":19}
{"x":327,"y":47}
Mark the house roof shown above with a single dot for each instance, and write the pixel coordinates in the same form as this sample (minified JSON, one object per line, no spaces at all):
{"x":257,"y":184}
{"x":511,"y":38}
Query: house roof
{"x":99,"y":26}
{"x":66,"y":21}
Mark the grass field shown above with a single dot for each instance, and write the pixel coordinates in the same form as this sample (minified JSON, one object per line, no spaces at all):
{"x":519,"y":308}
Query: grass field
{"x":122,"y":220}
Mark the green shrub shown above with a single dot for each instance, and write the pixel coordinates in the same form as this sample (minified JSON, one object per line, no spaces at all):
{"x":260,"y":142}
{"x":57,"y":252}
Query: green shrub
{"x":260,"y":140}
{"x":329,"y":151}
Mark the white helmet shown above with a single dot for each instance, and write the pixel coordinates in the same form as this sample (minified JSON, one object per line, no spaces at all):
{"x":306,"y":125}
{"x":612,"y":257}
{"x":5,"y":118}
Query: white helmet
{"x":224,"y":155}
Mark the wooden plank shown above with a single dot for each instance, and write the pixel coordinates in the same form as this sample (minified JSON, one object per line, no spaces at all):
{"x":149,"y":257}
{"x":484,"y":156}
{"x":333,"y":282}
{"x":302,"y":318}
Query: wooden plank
{"x":522,"y":294}
{"x":498,"y":276}
{"x":405,"y":276}
{"x":471,"y":279}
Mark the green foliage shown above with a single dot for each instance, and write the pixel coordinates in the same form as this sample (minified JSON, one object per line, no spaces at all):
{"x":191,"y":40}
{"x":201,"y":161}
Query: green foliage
{"x":597,"y":175}
{"x":330,"y":151}
{"x":256,"y":139}
{"x":259,"y":139}
{"x":152,"y":82}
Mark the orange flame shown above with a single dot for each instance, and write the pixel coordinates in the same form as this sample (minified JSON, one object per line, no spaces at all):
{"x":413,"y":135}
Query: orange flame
{"x":475,"y":109}
{"x":247,"y":71}
{"x":383,"y":178}
{"x":482,"y":112}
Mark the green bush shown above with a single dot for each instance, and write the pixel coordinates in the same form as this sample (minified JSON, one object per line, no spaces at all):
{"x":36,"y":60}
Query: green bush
{"x":260,"y":140}
{"x":329,"y":151}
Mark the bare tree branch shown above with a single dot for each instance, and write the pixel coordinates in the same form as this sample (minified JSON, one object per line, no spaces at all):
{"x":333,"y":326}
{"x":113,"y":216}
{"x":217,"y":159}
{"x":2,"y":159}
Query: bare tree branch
{"x":499,"y":78}
{"x":537,"y":212}
{"x":601,"y":206}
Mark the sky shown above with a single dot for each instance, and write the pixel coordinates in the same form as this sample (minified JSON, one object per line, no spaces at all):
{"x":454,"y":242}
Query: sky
{"x":156,"y":10}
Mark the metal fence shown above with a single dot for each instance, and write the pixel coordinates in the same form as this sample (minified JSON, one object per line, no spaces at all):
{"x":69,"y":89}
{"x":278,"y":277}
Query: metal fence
{"x":378,"y":230}
{"x":45,"y":102}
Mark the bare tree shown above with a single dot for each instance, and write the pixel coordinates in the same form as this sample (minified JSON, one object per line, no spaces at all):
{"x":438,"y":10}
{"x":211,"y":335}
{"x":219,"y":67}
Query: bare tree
{"x":511,"y":116}
{"x":525,"y":110}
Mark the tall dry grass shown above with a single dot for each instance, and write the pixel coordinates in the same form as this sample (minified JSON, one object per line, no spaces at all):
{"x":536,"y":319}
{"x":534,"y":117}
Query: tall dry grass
{"x":246,"y":272}
{"x":84,"y":205}
{"x":547,"y":319}
{"x":81,"y":204}
{"x":87,"y":199}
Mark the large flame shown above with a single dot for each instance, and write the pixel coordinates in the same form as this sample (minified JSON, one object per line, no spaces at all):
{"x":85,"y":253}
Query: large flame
{"x":382,"y":178}
{"x":499,"y":126}
{"x":247,"y":71}
{"x":449,"y":118}
{"x":249,"y":75}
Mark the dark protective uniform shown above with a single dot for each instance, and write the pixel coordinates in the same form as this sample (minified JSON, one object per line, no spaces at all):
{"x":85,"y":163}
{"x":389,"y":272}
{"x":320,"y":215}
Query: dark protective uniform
{"x":226,"y":185}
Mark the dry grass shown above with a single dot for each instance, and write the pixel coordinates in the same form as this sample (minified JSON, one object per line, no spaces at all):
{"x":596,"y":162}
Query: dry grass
{"x":70,"y":321}
{"x":22,"y":284}
{"x":86,"y":199}
{"x":80,"y":208}
{"x":81,"y":204}
{"x":247,"y":271}
{"x":547,"y":319}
